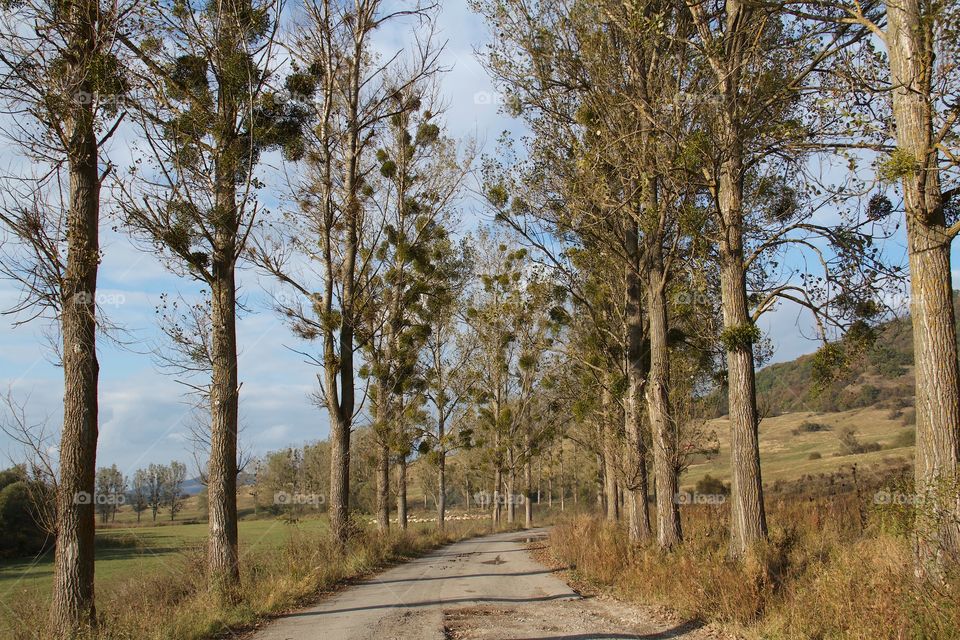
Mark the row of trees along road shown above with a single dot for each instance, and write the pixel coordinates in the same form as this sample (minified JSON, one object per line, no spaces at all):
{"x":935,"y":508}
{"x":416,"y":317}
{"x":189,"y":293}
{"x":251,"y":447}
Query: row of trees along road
{"x":666,"y":188}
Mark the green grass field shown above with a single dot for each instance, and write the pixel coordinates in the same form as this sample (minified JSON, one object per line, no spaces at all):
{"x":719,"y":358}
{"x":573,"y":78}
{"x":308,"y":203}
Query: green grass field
{"x":125,"y":553}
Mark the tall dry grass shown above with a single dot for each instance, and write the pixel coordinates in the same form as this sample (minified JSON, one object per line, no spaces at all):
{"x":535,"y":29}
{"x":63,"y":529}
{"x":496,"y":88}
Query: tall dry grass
{"x":833,"y":568}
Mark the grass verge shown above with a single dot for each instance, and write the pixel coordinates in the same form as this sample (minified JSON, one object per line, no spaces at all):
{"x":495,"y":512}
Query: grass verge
{"x":831,"y":569}
{"x":177,"y":605}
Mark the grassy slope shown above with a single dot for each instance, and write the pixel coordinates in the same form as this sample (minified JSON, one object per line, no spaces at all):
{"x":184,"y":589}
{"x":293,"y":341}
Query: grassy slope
{"x":866,"y":399}
{"x":784,"y":455}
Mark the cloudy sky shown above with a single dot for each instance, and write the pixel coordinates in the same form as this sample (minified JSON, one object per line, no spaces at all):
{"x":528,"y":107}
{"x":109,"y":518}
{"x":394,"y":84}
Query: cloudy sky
{"x":144,"y":415}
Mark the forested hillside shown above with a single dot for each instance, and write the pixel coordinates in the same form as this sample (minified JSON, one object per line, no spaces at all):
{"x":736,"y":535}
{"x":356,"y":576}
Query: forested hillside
{"x":883,"y":372}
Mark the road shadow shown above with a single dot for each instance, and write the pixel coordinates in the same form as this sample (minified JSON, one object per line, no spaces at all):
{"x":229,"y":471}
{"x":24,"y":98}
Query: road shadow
{"x":460,"y":577}
{"x":430,"y":603}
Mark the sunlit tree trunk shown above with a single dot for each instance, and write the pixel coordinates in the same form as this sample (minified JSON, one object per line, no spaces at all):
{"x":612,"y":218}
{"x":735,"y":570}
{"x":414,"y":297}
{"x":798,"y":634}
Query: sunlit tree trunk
{"x":73,"y":589}
{"x":402,"y":492}
{"x":748,"y":523}
{"x":638,"y":524}
{"x":658,"y":407}
{"x":909,"y":38}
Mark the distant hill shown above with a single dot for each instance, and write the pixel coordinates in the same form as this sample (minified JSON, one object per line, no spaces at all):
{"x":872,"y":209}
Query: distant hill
{"x":865,"y":420}
{"x":193,"y":486}
{"x":882,"y":376}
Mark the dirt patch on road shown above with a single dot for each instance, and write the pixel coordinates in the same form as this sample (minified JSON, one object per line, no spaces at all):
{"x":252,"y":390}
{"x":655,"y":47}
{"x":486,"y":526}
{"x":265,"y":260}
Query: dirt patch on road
{"x":580,"y":619}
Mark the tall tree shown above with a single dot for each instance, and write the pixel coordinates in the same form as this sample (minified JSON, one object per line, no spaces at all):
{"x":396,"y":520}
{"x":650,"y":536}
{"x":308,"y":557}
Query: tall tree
{"x":356,"y":93}
{"x":421,"y":177}
{"x":138,"y":492}
{"x":755,"y":66}
{"x":61,"y":84}
{"x":918,"y":79}
{"x":444,"y":366}
{"x":207,"y":112}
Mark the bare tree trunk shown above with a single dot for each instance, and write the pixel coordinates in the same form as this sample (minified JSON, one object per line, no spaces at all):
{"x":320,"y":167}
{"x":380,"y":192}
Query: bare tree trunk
{"x":73,"y":589}
{"x":909,"y":38}
{"x":528,"y":479}
{"x":539,"y":478}
{"x":383,"y":461}
{"x":748,"y":523}
{"x":638,"y":524}
{"x":497,"y":497}
{"x":441,"y":490}
{"x":402,"y":492}
{"x":601,"y":482}
{"x":511,"y":491}
{"x":609,"y":473}
{"x":658,"y":408}
{"x":339,"y":510}
{"x":338,"y":361}
{"x":222,"y":555}
{"x":562,"y":487}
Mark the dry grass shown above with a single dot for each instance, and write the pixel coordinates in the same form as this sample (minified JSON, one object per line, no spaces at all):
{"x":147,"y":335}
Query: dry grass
{"x":821,"y":575}
{"x":785,"y":448}
{"x":170,"y":605}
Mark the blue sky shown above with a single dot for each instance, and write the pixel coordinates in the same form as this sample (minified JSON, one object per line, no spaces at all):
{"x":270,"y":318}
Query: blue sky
{"x":144,"y":416}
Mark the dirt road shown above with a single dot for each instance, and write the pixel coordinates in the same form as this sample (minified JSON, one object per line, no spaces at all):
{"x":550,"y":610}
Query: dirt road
{"x":487,"y":588}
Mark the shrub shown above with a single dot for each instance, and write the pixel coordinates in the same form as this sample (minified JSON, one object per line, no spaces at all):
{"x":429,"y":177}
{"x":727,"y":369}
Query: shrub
{"x":22,"y":533}
{"x":906,"y":438}
{"x":811,"y":427}
{"x":814,"y":456}
{"x":708,"y":485}
{"x":850,"y":444}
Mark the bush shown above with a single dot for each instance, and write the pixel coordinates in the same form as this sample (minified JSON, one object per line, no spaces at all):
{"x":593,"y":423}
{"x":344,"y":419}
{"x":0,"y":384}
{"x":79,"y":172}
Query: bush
{"x":814,"y":456}
{"x":850,"y":444}
{"x":22,"y":533}
{"x":906,"y":438}
{"x":810,"y":427}
{"x":708,"y":485}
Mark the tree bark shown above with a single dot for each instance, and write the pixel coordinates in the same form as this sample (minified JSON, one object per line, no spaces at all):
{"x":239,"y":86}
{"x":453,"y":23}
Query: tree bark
{"x":402,"y":492}
{"x":222,"y":555}
{"x":638,"y":525}
{"x":658,"y":407}
{"x":937,"y":544}
{"x":748,"y":523}
{"x":73,"y":586}
{"x":442,"y":491}
{"x":383,"y":462}
{"x":609,"y":464}
{"x":511,"y":492}
{"x":497,"y":497}
{"x":528,"y":480}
